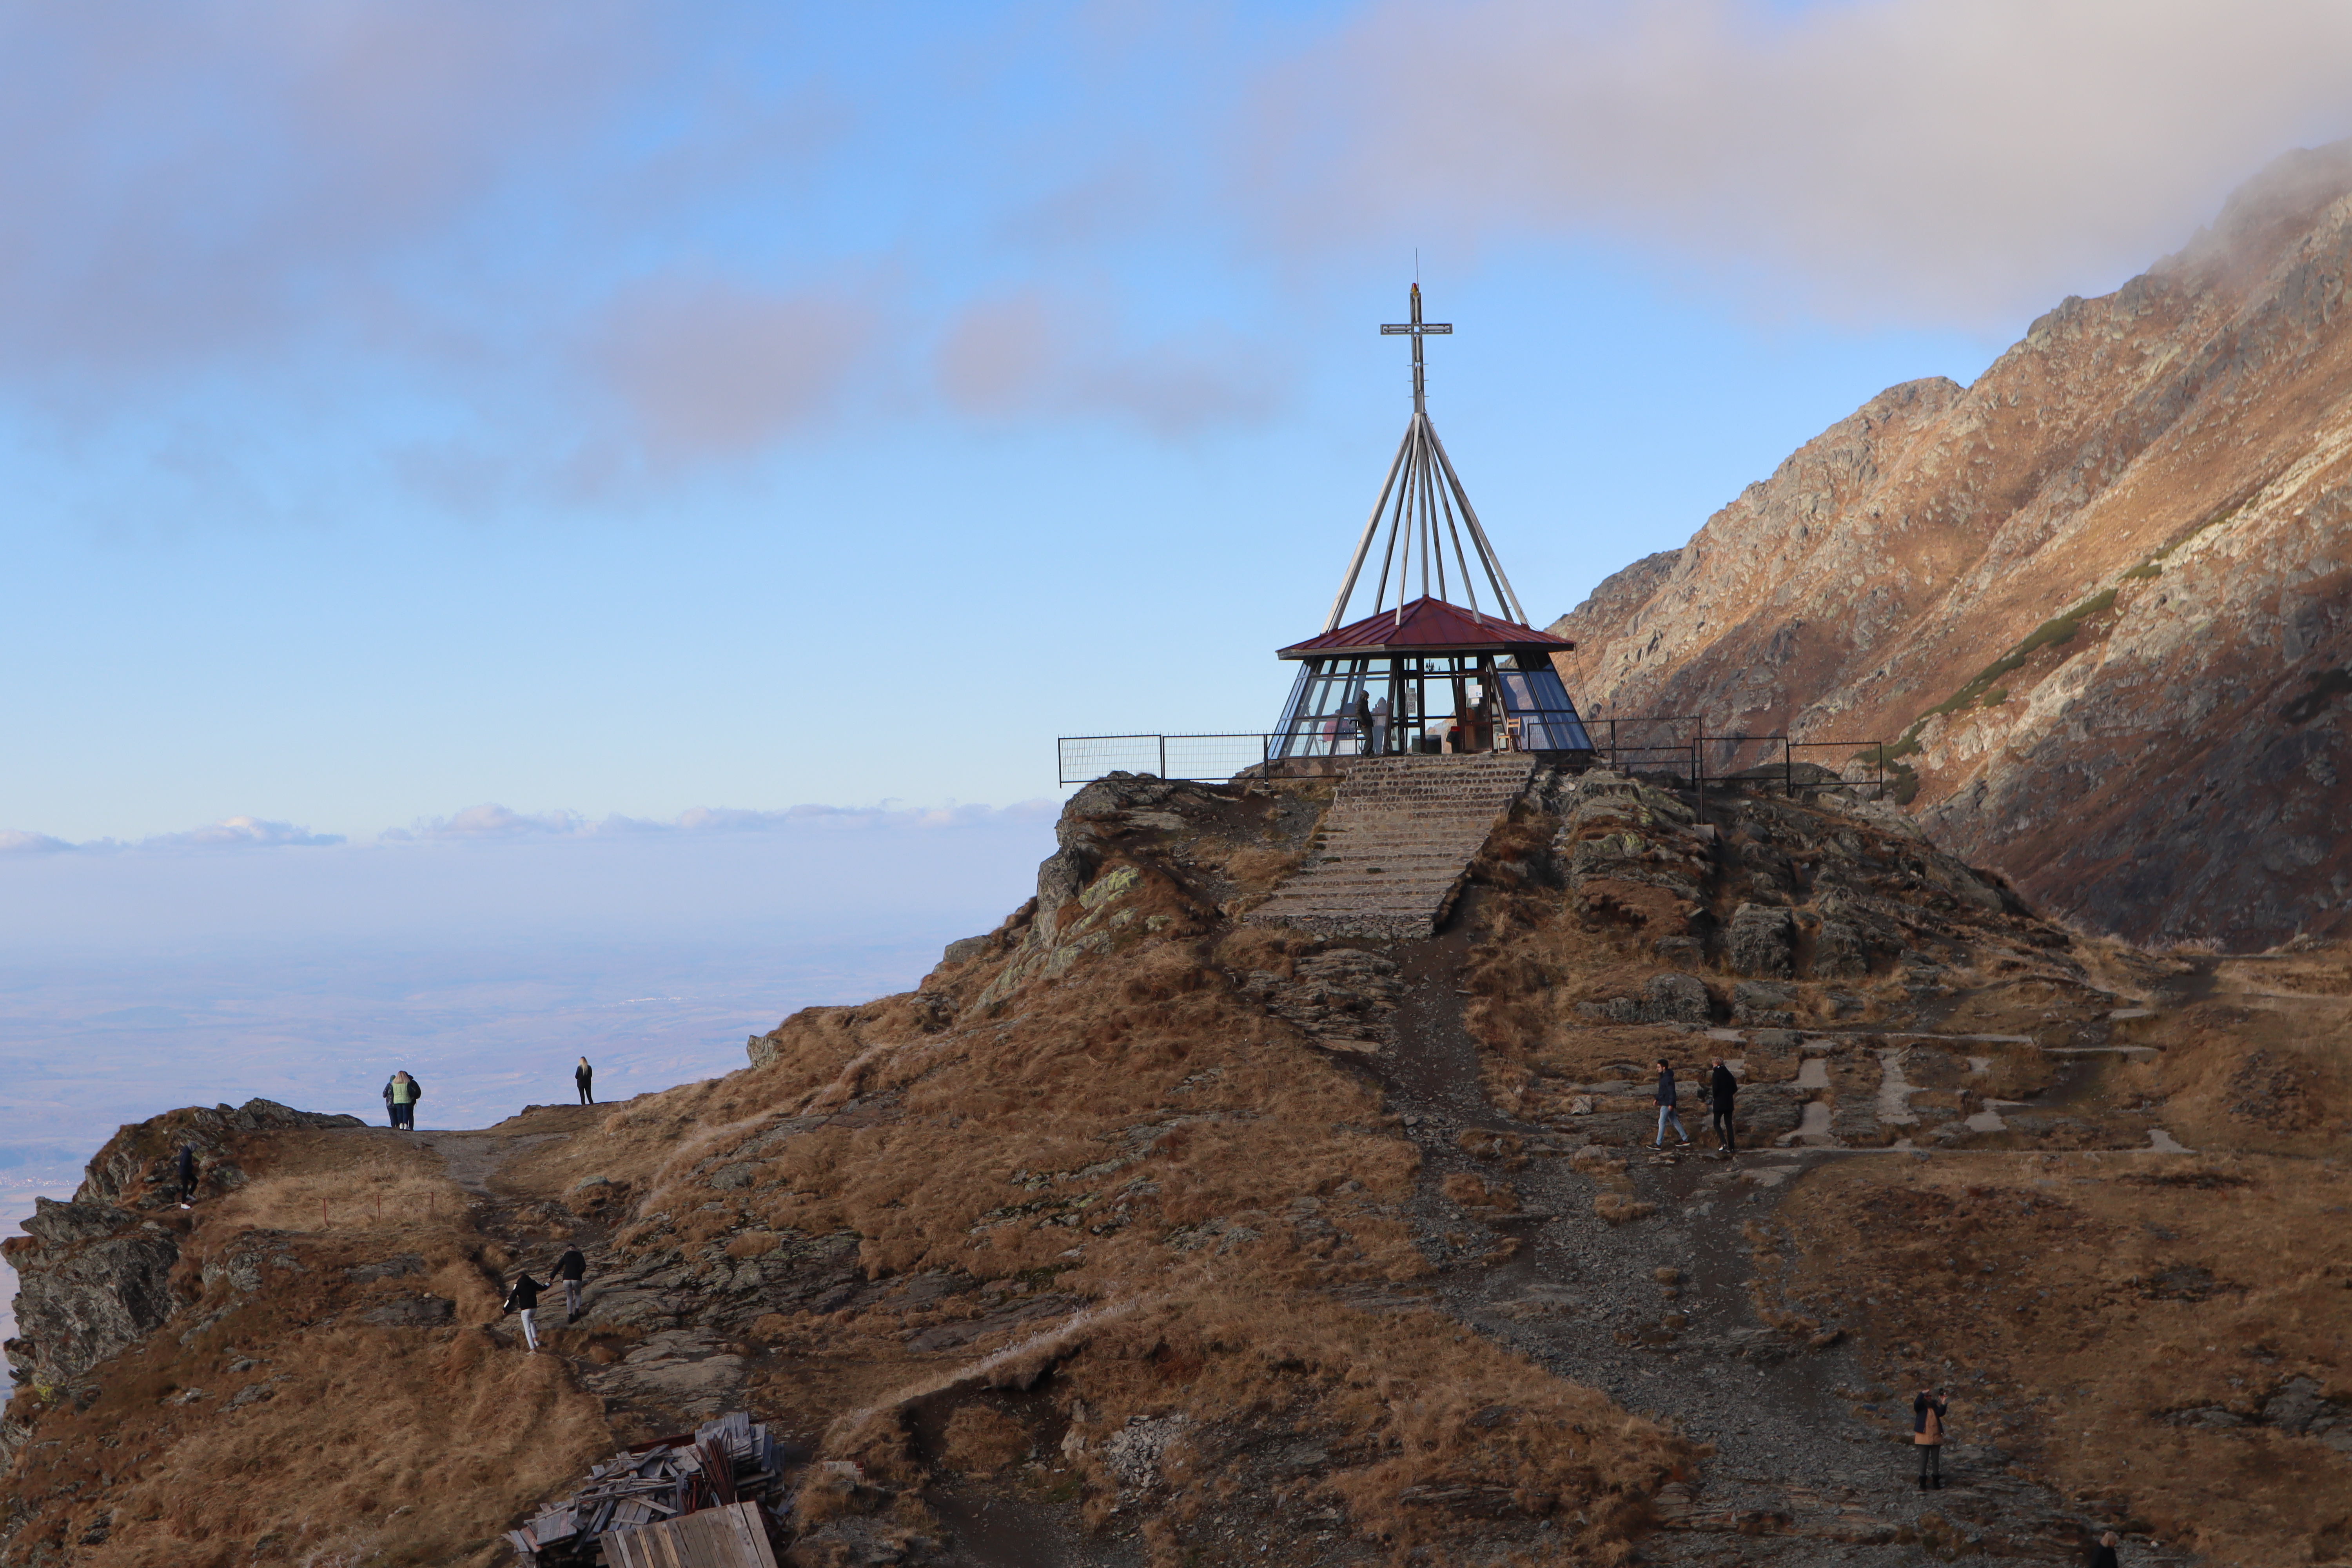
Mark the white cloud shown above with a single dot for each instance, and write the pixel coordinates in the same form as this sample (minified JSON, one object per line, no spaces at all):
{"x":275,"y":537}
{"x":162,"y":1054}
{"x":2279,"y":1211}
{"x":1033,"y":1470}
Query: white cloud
{"x":489,"y":821}
{"x":243,"y":833}
{"x":1919,"y":160}
{"x":234,"y":832}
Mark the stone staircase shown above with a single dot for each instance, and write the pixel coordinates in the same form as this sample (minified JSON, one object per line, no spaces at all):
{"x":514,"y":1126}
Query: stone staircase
{"x":1398,"y":841}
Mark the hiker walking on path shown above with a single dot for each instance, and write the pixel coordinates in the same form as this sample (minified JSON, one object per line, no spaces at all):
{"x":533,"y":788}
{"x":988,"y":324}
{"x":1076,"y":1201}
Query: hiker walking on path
{"x":1720,"y":1088}
{"x":581,"y":1075}
{"x":1666,"y":1107}
{"x":1927,"y":1414}
{"x":401,"y":1093}
{"x":572,"y":1269}
{"x":186,"y":1167}
{"x":523,"y":1297}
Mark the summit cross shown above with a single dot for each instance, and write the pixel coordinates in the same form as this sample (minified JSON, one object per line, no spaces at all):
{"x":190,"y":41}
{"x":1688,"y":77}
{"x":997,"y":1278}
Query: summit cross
{"x":1416,"y":330}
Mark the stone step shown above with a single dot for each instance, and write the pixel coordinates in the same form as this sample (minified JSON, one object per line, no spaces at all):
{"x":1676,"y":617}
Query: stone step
{"x":1421,"y":820}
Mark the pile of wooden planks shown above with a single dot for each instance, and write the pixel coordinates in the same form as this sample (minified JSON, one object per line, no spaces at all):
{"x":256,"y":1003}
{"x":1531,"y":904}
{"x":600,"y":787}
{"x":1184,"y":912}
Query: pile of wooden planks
{"x":730,"y":1462}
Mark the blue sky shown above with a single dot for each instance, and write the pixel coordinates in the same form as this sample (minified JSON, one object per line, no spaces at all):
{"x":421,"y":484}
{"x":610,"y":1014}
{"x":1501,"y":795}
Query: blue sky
{"x":539,"y":431}
{"x":605,"y":407}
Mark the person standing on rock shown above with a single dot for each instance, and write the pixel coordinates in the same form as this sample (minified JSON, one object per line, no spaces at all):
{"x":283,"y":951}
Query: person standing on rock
{"x":1721,"y":1087}
{"x":572,"y":1269}
{"x":583,"y":1075}
{"x":185,"y":1165}
{"x":522,"y":1297}
{"x":1667,"y":1111}
{"x":1928,"y":1412}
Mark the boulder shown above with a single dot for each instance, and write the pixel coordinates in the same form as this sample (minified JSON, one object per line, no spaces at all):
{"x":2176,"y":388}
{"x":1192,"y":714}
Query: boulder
{"x":1762,"y":942}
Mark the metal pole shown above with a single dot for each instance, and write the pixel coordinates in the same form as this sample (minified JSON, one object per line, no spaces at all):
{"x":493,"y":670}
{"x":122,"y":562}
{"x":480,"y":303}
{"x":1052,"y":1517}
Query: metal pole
{"x":1787,"y":767}
{"x":1494,"y":564}
{"x":1422,"y":466}
{"x":1371,"y":527}
{"x":1454,"y":533}
{"x":1163,"y":756}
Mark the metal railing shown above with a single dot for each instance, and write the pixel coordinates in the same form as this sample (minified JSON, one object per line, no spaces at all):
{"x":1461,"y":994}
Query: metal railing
{"x":1207,"y":758}
{"x":1626,"y":745}
{"x":1702,"y":760}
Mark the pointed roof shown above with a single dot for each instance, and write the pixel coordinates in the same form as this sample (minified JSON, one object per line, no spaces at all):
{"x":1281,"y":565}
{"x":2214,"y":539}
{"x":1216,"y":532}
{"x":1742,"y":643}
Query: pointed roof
{"x":1427,"y":625}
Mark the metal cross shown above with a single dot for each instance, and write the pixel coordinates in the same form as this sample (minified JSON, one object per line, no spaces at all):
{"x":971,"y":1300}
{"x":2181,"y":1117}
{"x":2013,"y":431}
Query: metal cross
{"x":1416,"y":330}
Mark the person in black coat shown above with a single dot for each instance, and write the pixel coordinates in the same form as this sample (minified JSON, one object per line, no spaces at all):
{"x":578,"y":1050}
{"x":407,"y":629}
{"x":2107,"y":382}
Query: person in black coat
{"x":572,"y":1269}
{"x":582,"y":1075}
{"x":522,"y":1297}
{"x":1720,"y":1088}
{"x":186,"y":1167}
{"x":2105,"y":1556}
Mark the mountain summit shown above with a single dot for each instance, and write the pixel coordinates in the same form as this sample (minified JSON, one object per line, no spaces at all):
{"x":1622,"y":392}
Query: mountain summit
{"x":2094,"y":604}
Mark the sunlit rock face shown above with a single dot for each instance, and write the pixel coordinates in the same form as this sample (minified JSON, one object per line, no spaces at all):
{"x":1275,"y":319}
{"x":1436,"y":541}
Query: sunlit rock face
{"x":2098,"y":604}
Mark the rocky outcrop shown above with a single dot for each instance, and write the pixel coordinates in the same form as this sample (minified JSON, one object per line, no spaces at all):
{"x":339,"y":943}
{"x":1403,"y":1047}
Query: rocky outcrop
{"x":2098,"y":604}
{"x":94,"y":1274}
{"x":135,"y":1168}
{"x":94,"y":1279}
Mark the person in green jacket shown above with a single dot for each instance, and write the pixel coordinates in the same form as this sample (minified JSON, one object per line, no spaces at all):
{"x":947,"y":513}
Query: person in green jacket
{"x":401,"y":1093}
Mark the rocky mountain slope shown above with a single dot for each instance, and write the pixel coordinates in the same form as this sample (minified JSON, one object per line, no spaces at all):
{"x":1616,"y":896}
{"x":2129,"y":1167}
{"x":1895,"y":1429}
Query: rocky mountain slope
{"x":1145,"y":1232}
{"x":2098,"y":604}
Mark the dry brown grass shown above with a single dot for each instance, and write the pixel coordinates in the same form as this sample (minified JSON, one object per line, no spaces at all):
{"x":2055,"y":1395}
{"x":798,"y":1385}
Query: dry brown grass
{"x":982,"y":1440}
{"x":1619,"y":1209}
{"x":2120,"y":1288}
{"x":1134,"y":1091}
{"x":1399,"y":1401}
{"x":381,"y":1446}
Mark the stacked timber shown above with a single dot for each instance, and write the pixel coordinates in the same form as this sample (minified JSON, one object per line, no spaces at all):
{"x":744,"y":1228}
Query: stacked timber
{"x":729,"y":1463}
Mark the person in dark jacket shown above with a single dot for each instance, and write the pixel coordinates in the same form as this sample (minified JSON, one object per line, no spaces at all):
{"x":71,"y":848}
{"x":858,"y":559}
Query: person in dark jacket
{"x":572,"y":1269}
{"x":1928,"y":1412}
{"x":1666,"y":1107}
{"x":1720,"y":1088}
{"x":583,"y":1075}
{"x":186,"y":1167}
{"x":2105,"y":1556}
{"x":522,"y":1297}
{"x":401,"y":1092}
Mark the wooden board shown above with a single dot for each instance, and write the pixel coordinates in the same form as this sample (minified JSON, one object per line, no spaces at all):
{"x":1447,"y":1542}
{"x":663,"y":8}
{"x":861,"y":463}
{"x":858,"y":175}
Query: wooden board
{"x":714,"y":1538}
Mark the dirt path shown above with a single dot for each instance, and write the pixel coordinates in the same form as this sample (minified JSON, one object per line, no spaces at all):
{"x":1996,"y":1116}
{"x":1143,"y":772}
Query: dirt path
{"x":1806,"y":1469}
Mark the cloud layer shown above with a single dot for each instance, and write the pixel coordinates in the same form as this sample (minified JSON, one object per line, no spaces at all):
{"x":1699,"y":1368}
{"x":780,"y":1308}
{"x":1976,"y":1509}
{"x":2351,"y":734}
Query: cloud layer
{"x":491,"y":823}
{"x":1909,"y":161}
{"x":234,"y":832}
{"x":590,"y":240}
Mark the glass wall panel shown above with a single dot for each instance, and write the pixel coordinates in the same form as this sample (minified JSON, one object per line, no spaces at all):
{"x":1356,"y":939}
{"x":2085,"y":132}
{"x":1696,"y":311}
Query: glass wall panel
{"x":1543,"y":717}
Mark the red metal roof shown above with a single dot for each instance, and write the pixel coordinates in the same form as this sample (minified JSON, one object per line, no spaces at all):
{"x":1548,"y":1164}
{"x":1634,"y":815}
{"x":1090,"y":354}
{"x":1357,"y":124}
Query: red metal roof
{"x":1429,"y":625}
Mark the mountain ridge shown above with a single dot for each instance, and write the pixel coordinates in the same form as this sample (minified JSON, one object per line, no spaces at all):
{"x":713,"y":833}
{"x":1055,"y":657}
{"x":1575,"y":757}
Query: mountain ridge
{"x":2094,"y":604}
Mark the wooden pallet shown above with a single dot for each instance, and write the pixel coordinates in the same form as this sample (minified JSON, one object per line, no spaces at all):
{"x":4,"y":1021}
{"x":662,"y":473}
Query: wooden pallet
{"x":733,"y":1537}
